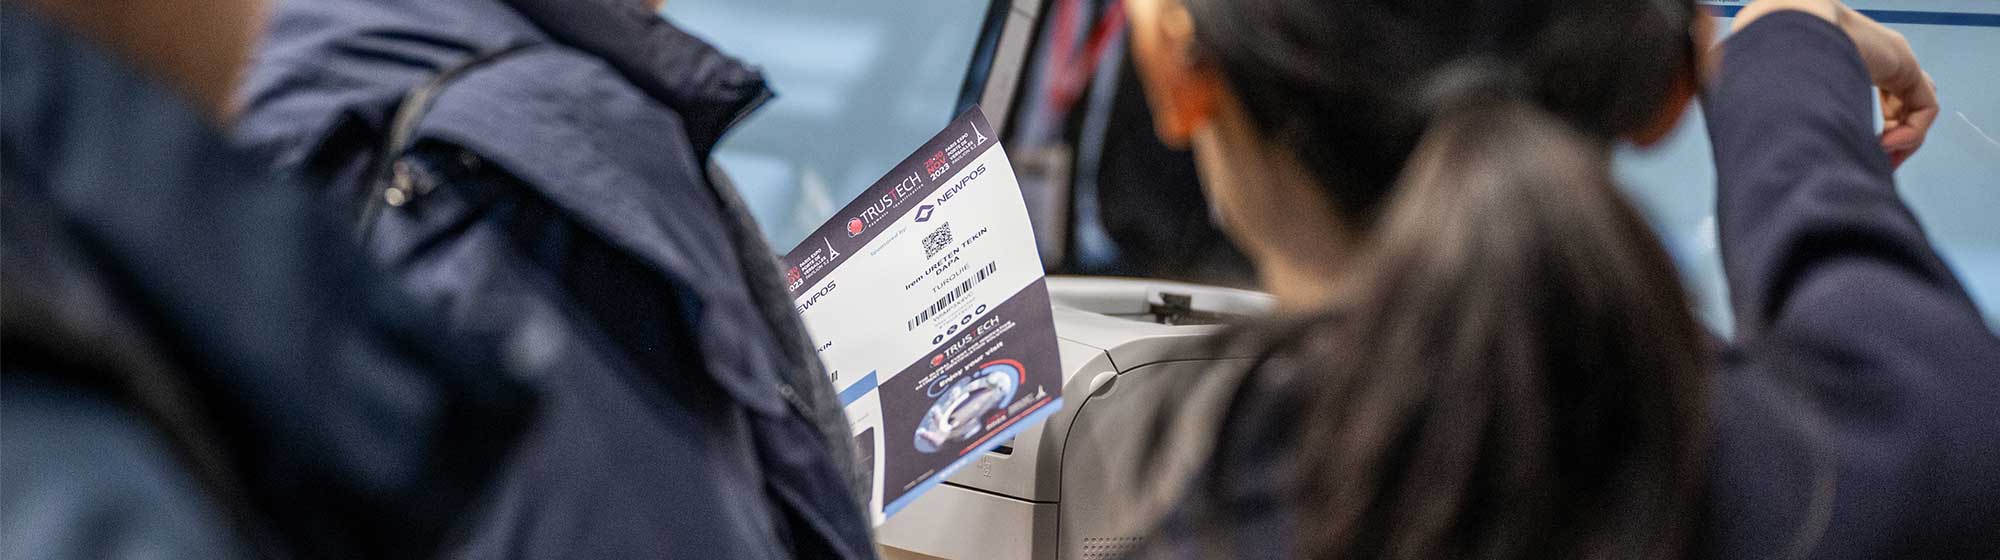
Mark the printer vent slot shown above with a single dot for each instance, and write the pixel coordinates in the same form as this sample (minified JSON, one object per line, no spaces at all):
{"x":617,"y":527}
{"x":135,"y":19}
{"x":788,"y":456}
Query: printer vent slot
{"x":1107,"y":548}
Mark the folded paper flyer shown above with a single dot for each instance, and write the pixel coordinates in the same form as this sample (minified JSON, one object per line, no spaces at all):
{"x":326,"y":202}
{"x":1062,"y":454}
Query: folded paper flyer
{"x":926,"y":300}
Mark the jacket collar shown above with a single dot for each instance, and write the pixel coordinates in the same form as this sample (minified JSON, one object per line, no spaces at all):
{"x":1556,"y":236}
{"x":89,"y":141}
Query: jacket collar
{"x":332,"y":71}
{"x":712,"y":91}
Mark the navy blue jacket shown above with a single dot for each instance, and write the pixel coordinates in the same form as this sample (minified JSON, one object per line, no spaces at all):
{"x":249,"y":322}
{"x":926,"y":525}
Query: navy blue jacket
{"x":565,"y":190}
{"x":1854,"y":412}
{"x":196,"y":362}
{"x":1855,"y":407}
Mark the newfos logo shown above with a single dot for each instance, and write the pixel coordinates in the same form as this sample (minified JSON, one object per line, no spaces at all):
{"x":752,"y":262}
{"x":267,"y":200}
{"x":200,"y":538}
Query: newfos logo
{"x":946,"y":194}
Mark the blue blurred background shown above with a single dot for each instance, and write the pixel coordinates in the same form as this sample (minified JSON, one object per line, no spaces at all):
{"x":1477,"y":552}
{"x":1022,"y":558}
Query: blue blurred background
{"x":862,"y":82}
{"x":1953,"y":184}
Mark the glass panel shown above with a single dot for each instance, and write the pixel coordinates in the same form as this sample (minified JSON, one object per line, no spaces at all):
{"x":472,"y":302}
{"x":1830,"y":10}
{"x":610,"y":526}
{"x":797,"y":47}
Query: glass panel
{"x":1953,"y":183}
{"x":860,"y":84}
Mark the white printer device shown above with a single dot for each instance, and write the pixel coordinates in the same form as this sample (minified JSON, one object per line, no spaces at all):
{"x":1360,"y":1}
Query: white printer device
{"x":1045,"y":495}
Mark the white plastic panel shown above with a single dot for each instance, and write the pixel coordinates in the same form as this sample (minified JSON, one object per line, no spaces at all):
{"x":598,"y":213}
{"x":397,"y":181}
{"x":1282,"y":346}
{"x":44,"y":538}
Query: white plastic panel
{"x":959,"y":524}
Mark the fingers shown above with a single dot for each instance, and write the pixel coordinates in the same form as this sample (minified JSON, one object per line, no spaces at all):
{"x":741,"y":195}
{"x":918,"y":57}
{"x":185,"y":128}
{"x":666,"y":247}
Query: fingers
{"x":1907,"y":115}
{"x":1921,"y":103}
{"x":1909,"y":96}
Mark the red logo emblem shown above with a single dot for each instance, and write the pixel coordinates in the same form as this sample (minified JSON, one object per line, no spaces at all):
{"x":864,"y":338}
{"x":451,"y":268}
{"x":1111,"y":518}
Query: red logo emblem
{"x":937,"y":360}
{"x":855,"y":226}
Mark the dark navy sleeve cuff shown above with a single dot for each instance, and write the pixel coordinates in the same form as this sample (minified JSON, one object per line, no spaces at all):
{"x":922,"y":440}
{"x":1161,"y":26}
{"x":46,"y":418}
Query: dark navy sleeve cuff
{"x":1790,"y":71}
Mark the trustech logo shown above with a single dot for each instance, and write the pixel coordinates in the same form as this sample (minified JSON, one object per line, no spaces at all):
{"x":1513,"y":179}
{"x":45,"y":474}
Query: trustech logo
{"x":880,"y":207}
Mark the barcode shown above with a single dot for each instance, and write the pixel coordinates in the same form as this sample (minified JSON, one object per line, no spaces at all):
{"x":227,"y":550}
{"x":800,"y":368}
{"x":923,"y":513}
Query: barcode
{"x":953,"y":296}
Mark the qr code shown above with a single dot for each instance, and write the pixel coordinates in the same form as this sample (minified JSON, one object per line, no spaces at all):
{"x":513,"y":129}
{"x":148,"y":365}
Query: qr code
{"x":937,"y":241}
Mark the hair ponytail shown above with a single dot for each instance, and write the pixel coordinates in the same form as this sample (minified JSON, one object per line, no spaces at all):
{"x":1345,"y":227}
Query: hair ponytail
{"x":1517,"y":373}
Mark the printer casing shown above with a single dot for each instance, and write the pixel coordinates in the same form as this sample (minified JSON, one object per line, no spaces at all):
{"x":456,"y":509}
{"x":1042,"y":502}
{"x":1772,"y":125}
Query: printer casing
{"x":1057,"y":491}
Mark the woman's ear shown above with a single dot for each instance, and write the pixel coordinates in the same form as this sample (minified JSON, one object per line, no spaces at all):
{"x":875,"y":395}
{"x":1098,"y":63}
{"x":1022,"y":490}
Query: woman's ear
{"x":1701,"y":63}
{"x":1671,"y":109}
{"x":1182,"y":87}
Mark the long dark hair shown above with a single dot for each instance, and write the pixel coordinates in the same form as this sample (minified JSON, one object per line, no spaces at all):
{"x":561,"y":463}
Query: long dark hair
{"x":1514,"y":370}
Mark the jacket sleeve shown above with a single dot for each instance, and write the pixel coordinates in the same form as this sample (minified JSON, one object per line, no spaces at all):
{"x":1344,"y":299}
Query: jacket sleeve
{"x":1852,"y":321}
{"x":1816,"y":244}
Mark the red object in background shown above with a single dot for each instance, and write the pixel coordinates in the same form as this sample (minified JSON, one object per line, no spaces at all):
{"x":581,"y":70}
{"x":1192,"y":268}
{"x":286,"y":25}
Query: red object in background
{"x":1073,"y":67}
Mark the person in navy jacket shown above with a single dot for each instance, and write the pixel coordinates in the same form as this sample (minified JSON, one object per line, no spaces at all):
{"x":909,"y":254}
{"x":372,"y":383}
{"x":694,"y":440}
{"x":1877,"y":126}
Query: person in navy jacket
{"x":197,"y":362}
{"x":560,"y":189}
{"x":1484,"y":352}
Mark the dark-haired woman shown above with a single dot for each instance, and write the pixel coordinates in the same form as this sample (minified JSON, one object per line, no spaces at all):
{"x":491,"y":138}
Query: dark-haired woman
{"x":1485,"y":351}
